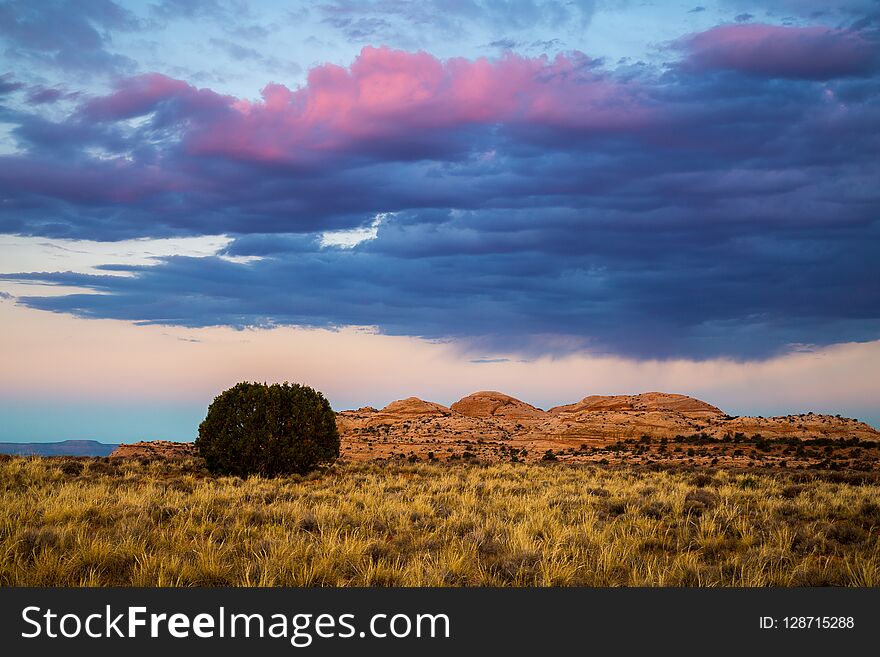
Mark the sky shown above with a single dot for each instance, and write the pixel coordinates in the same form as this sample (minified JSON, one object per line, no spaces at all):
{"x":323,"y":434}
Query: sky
{"x":385,"y":198}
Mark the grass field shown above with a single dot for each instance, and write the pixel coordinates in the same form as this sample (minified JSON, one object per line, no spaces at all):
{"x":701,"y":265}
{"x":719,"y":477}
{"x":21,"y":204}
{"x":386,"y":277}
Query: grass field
{"x":90,"y":522}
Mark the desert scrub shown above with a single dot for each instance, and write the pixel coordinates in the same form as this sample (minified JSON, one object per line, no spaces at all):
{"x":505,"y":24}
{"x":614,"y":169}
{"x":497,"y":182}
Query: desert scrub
{"x":165,"y":523}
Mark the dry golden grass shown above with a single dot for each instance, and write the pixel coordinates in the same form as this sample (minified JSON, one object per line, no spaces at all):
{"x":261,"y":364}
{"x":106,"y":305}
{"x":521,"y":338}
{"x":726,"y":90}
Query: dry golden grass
{"x":90,"y":523}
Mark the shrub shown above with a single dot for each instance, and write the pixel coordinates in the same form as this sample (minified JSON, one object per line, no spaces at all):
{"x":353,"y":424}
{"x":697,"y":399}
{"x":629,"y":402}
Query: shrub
{"x":268,"y":430}
{"x":702,"y":479}
{"x":700,"y":500}
{"x":72,"y":468}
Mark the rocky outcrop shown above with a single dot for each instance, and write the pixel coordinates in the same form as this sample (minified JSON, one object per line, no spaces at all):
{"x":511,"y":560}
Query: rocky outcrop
{"x":647,"y":401}
{"x":489,"y":403}
{"x":807,"y":425}
{"x":155,"y":449}
{"x":414,"y":407}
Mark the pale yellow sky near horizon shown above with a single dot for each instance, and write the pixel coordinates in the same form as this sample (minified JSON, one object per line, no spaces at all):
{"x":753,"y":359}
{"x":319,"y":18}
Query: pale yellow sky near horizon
{"x":58,"y":357}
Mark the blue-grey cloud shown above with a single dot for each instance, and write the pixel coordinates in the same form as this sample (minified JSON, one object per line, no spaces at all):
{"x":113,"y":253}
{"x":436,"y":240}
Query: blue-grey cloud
{"x":9,"y":84}
{"x":695,"y":210}
{"x":67,"y":34}
{"x":655,"y":289}
{"x":400,"y":22}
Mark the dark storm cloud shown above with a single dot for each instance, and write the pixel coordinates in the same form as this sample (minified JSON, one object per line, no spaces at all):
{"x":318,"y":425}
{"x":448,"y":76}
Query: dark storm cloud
{"x":709,"y":208}
{"x":680,"y":290}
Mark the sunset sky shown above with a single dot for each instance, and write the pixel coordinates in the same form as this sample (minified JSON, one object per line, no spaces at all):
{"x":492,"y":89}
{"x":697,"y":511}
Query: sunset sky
{"x":384,"y":198}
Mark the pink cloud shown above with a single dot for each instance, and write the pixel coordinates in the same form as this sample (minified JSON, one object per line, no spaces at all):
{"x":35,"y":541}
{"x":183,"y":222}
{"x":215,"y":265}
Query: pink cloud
{"x":812,"y":53}
{"x":392,"y":95}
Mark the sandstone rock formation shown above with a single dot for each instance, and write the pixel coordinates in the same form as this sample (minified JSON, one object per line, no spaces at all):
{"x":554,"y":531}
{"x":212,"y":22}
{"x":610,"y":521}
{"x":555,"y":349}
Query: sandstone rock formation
{"x":648,"y":401}
{"x":414,"y":407}
{"x":804,"y":426}
{"x":489,"y":403}
{"x":164,"y":449}
{"x":489,"y":420}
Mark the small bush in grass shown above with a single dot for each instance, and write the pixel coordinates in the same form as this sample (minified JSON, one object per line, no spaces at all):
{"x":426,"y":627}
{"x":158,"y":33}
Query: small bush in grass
{"x":657,"y":510}
{"x":309,"y":523}
{"x":792,"y":491}
{"x":748,"y":483}
{"x":702,"y":479}
{"x":268,"y":430}
{"x":699,"y":500}
{"x":598,"y":492}
{"x":72,"y":468}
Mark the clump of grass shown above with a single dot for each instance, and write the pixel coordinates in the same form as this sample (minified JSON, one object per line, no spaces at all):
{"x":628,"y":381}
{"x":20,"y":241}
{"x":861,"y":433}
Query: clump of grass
{"x":162,"y":523}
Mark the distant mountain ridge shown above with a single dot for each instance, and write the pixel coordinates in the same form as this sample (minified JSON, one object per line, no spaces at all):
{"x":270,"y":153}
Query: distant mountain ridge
{"x":62,"y":448}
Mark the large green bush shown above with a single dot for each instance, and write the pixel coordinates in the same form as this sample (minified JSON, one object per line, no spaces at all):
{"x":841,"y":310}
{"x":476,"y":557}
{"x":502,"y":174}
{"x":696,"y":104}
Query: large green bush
{"x":269,"y":430}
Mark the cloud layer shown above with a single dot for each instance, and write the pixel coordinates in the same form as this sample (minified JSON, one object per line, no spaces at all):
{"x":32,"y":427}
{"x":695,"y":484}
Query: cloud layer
{"x":721,"y":204}
{"x":775,"y":51}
